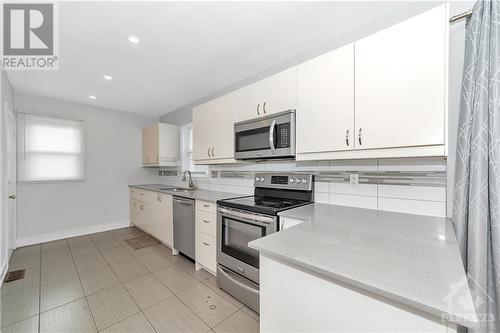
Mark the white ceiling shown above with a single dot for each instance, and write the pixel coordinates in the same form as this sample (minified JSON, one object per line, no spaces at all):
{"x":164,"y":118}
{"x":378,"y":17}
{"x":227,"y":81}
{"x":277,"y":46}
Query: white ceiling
{"x":188,"y":50}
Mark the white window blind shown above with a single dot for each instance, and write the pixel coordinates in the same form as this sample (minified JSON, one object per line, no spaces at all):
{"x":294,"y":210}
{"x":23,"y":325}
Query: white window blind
{"x":186,"y":140}
{"x":50,"y":149}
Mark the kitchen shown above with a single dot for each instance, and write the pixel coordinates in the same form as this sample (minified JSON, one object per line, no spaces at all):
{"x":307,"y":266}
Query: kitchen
{"x":324,"y":169}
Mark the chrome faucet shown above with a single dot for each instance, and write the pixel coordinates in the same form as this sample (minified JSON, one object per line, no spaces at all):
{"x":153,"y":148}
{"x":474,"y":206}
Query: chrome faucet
{"x":191,"y":184}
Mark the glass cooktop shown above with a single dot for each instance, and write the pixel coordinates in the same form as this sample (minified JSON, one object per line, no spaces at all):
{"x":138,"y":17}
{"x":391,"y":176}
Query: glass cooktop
{"x":262,"y":204}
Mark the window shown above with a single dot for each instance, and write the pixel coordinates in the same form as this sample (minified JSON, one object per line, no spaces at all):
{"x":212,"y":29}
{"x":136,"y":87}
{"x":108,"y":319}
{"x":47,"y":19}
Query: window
{"x":50,"y":149}
{"x":186,"y":140}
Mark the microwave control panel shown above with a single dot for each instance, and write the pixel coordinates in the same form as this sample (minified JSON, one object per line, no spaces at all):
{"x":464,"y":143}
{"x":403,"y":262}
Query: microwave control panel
{"x":283,"y":131}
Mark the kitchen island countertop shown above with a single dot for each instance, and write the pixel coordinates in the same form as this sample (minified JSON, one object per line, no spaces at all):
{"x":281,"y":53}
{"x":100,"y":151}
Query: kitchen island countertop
{"x":411,"y":259}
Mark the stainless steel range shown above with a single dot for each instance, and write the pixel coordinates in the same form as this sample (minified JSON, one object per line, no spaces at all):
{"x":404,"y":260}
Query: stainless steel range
{"x":244,"y":219}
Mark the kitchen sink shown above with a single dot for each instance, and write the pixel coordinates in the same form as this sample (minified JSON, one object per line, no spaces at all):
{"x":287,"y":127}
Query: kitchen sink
{"x":178,"y":189}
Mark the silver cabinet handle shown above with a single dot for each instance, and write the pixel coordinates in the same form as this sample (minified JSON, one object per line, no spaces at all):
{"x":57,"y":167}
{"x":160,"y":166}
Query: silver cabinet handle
{"x":205,"y":205}
{"x":258,"y":108}
{"x":208,"y":152}
{"x":213,"y":152}
{"x":159,"y":197}
{"x":141,"y":207}
{"x":271,"y":136}
{"x":206,"y":244}
{"x":359,"y":136}
{"x":206,"y":221}
{"x":347,"y":138}
{"x":264,"y":107}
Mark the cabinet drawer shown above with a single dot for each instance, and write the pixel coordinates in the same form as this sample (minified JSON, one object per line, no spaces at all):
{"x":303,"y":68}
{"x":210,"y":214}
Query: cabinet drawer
{"x":206,"y":251}
{"x":206,"y":222}
{"x":206,"y":206}
{"x":134,"y":193}
{"x":149,"y":197}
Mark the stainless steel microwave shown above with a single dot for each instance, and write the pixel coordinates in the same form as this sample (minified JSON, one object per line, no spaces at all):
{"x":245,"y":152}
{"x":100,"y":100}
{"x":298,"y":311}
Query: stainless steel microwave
{"x":271,"y":136}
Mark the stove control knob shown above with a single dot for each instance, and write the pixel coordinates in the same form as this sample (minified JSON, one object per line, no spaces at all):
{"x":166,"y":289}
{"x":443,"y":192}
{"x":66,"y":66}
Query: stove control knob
{"x":297,"y":180}
{"x":262,"y":179}
{"x":257,"y":179}
{"x":292,"y":180}
{"x":304,"y":181}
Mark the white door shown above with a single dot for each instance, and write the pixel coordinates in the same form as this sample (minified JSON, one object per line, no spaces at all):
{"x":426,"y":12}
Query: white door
{"x":278,"y":92}
{"x":325,"y":102}
{"x":400,"y":83}
{"x":11,"y":163}
{"x":202,"y":127}
{"x":223,"y":118}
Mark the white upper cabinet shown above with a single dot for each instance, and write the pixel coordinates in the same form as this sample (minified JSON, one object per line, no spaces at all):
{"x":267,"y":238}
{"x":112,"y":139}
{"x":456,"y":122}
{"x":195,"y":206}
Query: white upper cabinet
{"x":223,"y":119}
{"x":400,"y":84}
{"x":202,"y":132}
{"x":160,"y":145}
{"x":325,"y":103}
{"x":213,"y":131}
{"x":273,"y":94}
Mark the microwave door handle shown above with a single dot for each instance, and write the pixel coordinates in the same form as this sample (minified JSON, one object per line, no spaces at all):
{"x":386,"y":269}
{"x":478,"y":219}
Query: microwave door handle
{"x":271,"y":137}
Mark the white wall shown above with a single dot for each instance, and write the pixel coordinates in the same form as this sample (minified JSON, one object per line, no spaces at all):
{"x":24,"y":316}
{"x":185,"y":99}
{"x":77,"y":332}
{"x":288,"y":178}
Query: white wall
{"x":6,"y":96}
{"x":114,"y":144}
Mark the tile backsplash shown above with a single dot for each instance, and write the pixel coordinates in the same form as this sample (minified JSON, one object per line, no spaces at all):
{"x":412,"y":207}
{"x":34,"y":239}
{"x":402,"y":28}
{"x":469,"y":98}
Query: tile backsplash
{"x":411,"y":185}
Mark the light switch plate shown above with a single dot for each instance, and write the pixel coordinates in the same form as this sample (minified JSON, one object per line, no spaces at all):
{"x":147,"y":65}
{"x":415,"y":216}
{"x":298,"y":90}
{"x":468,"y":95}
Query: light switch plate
{"x":354,"y":179}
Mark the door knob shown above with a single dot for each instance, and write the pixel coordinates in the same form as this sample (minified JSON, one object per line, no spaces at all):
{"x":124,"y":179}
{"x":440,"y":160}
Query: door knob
{"x":12,"y":196}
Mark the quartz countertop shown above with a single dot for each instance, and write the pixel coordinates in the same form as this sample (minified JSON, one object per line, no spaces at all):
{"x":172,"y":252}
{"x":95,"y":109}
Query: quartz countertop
{"x":411,"y":259}
{"x":198,"y":194}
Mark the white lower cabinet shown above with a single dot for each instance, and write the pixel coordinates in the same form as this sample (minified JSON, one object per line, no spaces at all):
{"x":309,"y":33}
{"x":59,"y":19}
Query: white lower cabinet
{"x":206,"y":236}
{"x":152,"y":212}
{"x":206,"y":251}
{"x":322,"y":304}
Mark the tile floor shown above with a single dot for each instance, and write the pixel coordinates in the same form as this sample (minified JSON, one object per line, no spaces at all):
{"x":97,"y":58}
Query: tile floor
{"x":97,"y":283}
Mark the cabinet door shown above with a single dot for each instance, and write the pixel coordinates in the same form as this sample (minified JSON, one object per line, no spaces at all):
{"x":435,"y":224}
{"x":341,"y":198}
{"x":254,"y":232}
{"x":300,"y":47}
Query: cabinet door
{"x":247,"y":103}
{"x":202,"y":124}
{"x":325,"y":102}
{"x":168,"y":143}
{"x":133,"y":211}
{"x":145,"y":145}
{"x":154,"y":144}
{"x":278,"y":92}
{"x":163,"y":227}
{"x":223,"y":118}
{"x":400,"y":83}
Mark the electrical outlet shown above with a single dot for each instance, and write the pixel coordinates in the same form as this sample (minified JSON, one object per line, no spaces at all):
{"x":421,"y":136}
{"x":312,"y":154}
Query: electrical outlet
{"x":354,"y":179}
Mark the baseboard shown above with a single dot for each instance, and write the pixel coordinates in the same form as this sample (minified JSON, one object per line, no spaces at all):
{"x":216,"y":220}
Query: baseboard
{"x":51,"y":236}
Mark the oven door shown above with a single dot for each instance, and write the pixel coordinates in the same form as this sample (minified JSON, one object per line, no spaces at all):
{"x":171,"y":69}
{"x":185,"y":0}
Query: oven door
{"x":271,"y":136}
{"x":236,"y":228}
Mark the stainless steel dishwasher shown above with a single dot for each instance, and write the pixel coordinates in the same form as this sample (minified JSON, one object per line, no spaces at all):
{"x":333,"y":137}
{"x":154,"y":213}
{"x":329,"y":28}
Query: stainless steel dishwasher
{"x":184,"y":231}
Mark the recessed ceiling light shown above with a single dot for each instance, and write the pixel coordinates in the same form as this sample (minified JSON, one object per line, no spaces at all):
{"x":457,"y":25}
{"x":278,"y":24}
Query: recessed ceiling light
{"x":108,"y":77}
{"x":92,"y":97}
{"x":133,"y":39}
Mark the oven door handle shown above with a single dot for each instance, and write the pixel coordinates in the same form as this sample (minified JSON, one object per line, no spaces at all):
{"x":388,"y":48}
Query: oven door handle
{"x":236,"y":280}
{"x":271,"y":136}
{"x":262,"y":220}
